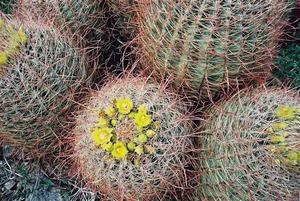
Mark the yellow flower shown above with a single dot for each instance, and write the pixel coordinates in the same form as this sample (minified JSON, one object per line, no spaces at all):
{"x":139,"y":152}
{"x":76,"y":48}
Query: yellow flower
{"x":142,"y":138}
{"x":285,"y":112}
{"x":279,"y":126}
{"x":139,"y":150}
{"x":114,"y":122}
{"x":22,"y":36}
{"x":150,"y":149}
{"x":110,"y":111}
{"x":293,"y":158}
{"x":119,"y":150}
{"x":131,"y":115}
{"x":107,"y":147}
{"x":102,"y":135}
{"x":143,"y":108}
{"x":150,"y":133}
{"x":124,"y":105}
{"x":13,"y":47}
{"x":277,"y":139}
{"x":121,"y":117}
{"x":102,"y":122}
{"x":142,"y":120}
{"x":1,"y":23}
{"x":131,"y":146}
{"x":3,"y":58}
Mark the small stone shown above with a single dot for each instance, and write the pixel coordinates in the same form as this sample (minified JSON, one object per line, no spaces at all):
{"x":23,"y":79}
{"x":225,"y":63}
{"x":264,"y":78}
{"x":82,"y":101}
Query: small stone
{"x":40,"y":195}
{"x":7,"y":151}
{"x":9,"y":185}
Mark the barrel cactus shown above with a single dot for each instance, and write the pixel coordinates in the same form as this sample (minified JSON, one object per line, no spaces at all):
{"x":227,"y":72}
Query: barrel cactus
{"x":132,"y":141}
{"x":205,"y":46}
{"x":40,"y":73}
{"x":84,"y":19}
{"x":251,"y":147}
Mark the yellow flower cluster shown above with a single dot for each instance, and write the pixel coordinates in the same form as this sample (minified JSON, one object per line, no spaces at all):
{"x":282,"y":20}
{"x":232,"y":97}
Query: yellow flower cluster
{"x":17,"y":39}
{"x":106,"y":132}
{"x":284,"y":153}
{"x":286,"y":112}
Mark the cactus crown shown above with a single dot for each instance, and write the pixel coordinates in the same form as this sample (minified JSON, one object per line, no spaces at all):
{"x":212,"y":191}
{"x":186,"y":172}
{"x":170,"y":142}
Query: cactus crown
{"x":13,"y":39}
{"x":124,"y":129}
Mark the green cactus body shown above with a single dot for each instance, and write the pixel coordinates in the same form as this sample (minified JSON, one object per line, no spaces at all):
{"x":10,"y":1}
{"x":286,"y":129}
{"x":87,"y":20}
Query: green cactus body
{"x":132,"y":140}
{"x":251,"y":147}
{"x":39,"y":78}
{"x":205,"y":45}
{"x":84,"y":19}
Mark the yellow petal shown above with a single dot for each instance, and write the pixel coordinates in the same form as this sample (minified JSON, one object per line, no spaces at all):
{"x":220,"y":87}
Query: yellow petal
{"x":119,"y":150}
{"x":139,"y":150}
{"x":110,"y":111}
{"x":279,"y":126}
{"x":277,"y":139}
{"x":22,"y":36}
{"x":1,"y":23}
{"x":3,"y":58}
{"x":285,"y":112}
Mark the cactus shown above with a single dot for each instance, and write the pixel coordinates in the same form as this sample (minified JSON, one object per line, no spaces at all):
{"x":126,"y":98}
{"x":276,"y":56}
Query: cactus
{"x":251,"y":147}
{"x":84,"y":19}
{"x":132,"y":140}
{"x":40,"y":73}
{"x":6,"y":6}
{"x":205,"y":46}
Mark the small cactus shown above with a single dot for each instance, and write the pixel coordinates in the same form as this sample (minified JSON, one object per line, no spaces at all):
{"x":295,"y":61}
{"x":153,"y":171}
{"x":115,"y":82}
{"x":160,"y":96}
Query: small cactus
{"x":132,"y":140}
{"x":40,"y":72}
{"x":251,"y":147}
{"x":206,"y":46}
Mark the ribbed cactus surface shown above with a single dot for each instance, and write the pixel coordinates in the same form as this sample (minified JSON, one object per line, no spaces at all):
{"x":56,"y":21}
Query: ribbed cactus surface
{"x":251,"y":147}
{"x":205,"y":45}
{"x":132,"y":141}
{"x":40,"y":74}
{"x":84,"y":19}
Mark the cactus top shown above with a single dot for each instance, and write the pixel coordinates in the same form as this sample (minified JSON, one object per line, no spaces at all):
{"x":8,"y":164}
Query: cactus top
{"x":124,"y":129}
